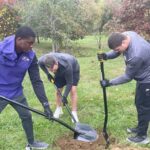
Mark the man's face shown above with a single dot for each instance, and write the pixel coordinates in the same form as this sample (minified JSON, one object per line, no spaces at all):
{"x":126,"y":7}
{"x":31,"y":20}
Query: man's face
{"x":54,"y":68}
{"x":24,"y":44}
{"x":123,"y":47}
{"x":120,"y":49}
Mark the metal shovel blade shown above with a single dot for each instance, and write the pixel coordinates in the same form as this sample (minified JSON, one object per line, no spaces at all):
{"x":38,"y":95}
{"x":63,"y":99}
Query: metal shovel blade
{"x":87,"y":133}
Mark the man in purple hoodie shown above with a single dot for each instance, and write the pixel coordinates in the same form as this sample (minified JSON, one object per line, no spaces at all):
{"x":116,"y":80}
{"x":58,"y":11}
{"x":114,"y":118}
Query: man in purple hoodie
{"x":17,"y":58}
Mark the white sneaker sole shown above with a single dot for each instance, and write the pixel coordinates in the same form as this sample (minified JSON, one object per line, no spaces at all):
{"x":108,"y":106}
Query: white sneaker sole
{"x":129,"y":131}
{"x":32,"y":147}
{"x":146,"y":141}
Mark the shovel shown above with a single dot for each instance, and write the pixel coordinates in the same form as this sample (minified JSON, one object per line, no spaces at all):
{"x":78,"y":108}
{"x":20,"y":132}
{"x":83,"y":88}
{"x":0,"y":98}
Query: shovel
{"x":78,"y":126}
{"x":84,"y":133}
{"x":67,"y":107}
{"x":105,"y":134}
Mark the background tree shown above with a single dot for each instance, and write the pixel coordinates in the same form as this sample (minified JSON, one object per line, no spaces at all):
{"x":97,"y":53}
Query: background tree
{"x":114,"y":6}
{"x":135,"y":16}
{"x":105,"y":16}
{"x":132,"y":15}
{"x":60,"y":20}
{"x":9,"y":19}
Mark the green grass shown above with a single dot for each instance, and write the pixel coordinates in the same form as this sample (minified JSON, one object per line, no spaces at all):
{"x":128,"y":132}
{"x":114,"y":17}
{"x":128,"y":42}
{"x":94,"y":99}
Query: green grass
{"x":121,"y":109}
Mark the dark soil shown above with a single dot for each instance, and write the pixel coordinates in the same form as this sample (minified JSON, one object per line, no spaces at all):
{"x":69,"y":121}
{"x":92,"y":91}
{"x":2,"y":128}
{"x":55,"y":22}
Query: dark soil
{"x":67,"y":143}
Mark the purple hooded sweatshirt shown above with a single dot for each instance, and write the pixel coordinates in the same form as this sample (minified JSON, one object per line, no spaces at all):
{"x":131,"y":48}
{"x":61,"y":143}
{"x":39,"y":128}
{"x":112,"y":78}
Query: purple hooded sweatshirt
{"x":13,"y":68}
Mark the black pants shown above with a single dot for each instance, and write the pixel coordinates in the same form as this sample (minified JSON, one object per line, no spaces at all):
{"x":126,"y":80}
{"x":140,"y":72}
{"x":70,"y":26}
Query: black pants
{"x":24,"y":115}
{"x":60,"y":81}
{"x":142,"y":102}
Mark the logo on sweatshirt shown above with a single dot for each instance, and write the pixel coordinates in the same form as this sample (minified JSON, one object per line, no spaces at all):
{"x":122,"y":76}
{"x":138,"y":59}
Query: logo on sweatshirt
{"x":25,"y":58}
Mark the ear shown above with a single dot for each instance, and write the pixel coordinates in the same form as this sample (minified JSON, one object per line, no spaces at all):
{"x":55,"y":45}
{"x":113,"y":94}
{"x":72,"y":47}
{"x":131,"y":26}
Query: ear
{"x":18,"y":38}
{"x":57,"y":65}
{"x":124,"y":43}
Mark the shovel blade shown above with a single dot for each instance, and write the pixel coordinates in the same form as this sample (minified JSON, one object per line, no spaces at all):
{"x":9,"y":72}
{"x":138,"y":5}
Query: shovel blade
{"x":86,"y":133}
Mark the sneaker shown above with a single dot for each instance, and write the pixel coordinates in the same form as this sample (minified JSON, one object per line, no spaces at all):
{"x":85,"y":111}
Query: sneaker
{"x":74,"y":113}
{"x":139,"y":139}
{"x":132,"y":130}
{"x":37,"y":145}
{"x":58,"y":112}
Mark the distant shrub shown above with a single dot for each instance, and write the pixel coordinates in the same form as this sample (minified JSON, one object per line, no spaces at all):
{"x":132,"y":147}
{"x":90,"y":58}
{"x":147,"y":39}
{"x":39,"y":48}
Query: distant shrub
{"x":9,"y":20}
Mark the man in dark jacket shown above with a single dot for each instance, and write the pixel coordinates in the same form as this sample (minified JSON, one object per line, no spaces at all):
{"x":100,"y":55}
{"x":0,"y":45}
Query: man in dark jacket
{"x":66,"y":70}
{"x":16,"y":58}
{"x":136,"y":52}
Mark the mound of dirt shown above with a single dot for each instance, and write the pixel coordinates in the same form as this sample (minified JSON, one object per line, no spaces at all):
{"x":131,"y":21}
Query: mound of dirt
{"x":67,"y":143}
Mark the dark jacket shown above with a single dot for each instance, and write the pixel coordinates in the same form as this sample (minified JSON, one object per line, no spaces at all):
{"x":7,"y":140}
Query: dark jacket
{"x":68,"y":66}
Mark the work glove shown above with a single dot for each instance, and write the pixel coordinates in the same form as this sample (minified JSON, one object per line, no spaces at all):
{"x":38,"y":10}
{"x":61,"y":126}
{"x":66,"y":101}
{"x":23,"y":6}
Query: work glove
{"x":50,"y":77}
{"x":64,"y":100}
{"x":47,"y":111}
{"x":105,"y":83}
{"x":102,"y":56}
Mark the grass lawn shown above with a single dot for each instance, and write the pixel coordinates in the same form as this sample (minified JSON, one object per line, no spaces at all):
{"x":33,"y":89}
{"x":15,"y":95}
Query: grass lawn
{"x":121,"y":109}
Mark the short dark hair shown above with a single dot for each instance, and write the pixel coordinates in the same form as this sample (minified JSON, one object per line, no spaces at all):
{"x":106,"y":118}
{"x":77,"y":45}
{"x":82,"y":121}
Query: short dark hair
{"x":50,"y":60}
{"x":115,"y":40}
{"x":25,"y":32}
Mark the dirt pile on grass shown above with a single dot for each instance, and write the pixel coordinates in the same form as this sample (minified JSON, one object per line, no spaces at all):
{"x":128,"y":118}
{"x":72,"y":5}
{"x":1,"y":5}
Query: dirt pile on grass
{"x":67,"y":143}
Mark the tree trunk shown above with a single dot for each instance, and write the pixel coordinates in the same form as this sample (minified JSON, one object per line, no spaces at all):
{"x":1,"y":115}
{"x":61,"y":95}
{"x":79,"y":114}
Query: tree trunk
{"x":55,"y":46}
{"x":38,"y":39}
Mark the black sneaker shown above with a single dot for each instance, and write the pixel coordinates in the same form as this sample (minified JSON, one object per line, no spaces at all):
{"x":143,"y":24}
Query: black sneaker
{"x":139,"y":139}
{"x":132,"y":130}
{"x":38,"y":145}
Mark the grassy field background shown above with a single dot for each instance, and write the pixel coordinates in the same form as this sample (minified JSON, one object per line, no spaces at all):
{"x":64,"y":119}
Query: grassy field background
{"x":121,"y":109}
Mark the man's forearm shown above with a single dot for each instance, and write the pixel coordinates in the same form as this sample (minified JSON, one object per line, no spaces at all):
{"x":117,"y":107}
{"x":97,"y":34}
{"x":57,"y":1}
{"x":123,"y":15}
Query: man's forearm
{"x":37,"y":82}
{"x":120,"y":80}
{"x":43,"y":67}
{"x":67,"y":90}
{"x":112,"y":54}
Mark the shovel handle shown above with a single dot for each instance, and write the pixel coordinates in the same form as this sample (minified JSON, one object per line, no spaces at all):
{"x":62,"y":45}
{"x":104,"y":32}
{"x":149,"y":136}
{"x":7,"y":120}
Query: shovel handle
{"x":104,"y":96}
{"x":102,"y":70}
{"x":39,"y":112}
{"x":105,"y":106}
